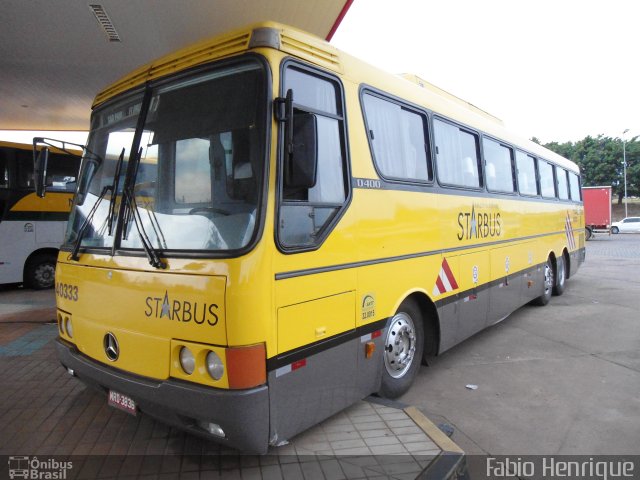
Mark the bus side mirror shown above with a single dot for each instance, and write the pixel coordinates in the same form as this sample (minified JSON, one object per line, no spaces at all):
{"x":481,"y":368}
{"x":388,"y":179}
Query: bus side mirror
{"x":41,"y":159}
{"x":302,"y":164}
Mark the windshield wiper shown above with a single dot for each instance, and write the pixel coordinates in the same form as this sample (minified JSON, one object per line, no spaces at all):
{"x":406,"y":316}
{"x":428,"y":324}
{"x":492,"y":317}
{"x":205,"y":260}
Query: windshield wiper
{"x":114,"y":190}
{"x":87,"y":222}
{"x":132,"y":211}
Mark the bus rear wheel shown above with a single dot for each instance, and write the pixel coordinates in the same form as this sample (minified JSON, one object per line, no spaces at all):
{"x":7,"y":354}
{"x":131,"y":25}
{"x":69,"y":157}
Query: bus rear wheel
{"x":404,"y":344}
{"x":549,"y":282}
{"x":40,"y":271}
{"x":561,"y":275}
{"x":588,"y":233}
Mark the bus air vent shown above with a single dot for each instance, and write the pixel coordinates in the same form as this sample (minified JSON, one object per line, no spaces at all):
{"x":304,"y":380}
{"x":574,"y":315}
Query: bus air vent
{"x":317,"y":51}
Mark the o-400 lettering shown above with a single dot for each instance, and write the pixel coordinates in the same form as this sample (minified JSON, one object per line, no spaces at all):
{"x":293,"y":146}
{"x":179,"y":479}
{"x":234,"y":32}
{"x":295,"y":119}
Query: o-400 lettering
{"x":368,"y":183}
{"x":67,"y":291}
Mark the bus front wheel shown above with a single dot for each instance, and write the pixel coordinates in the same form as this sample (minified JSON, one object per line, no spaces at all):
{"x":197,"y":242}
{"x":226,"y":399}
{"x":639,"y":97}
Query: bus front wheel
{"x":40,"y":270}
{"x":404,"y":344}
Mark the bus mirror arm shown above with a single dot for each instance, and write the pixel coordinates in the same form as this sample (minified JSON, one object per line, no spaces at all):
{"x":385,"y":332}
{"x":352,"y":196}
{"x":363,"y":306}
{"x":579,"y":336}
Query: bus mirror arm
{"x":41,"y":157}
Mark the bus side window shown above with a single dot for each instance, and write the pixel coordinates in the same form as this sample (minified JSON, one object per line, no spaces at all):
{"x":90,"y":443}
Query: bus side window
{"x":547,"y":184}
{"x":61,"y":172}
{"x":4,"y":170}
{"x":574,"y":184}
{"x":24,"y":161}
{"x":563,"y":188}
{"x":526,"y":167}
{"x":398,"y":139}
{"x":499,"y":166}
{"x":457,"y":155}
{"x":306,"y":214}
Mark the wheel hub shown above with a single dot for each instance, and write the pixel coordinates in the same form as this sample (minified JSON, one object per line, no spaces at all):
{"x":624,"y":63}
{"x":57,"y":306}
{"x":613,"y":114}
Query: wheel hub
{"x":400,"y":345}
{"x":44,"y":274}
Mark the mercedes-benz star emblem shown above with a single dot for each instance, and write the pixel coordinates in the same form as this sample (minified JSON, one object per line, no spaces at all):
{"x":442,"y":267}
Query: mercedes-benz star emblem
{"x":111,"y":347}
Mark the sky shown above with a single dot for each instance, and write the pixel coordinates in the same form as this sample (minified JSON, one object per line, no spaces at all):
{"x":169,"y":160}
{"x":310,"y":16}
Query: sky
{"x":558,"y":70}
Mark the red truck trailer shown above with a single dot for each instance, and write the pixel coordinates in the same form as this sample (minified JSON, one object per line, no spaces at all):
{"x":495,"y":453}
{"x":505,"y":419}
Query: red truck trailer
{"x":597,"y":210}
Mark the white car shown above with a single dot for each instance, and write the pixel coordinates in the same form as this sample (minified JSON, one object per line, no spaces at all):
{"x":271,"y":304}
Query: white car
{"x":626,"y":225}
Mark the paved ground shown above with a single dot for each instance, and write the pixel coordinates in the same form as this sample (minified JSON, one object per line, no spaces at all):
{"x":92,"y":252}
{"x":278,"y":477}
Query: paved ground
{"x":48,"y":416}
{"x":560,"y":379}
{"x":21,"y":305}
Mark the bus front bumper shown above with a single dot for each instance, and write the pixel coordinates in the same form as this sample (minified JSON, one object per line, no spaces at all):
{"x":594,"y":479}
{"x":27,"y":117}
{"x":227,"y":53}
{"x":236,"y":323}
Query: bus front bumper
{"x":243,"y":415}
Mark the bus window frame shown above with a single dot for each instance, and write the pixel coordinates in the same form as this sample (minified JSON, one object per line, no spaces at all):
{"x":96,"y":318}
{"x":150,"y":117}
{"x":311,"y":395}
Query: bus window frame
{"x":514,"y":175}
{"x":313,"y":70}
{"x":479,"y":158}
{"x":558,"y":168}
{"x":553,"y":174}
{"x":427,"y":133}
{"x":535,"y":171}
{"x":579,"y":179}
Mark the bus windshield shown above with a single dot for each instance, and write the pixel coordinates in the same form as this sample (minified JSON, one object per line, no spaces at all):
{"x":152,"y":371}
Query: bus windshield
{"x":198,"y":171}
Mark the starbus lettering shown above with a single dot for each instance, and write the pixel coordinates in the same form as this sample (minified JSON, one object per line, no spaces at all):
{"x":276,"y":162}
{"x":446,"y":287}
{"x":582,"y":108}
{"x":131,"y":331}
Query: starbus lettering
{"x":479,"y":224}
{"x":181,"y":310}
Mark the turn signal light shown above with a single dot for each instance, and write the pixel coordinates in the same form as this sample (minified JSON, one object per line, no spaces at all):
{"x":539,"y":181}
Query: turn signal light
{"x":246,"y":366}
{"x":369,"y":348}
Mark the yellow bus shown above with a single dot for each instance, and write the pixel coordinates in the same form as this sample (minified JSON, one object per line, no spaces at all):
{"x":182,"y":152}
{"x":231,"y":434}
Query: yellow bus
{"x":32,"y":228}
{"x":267,"y":230}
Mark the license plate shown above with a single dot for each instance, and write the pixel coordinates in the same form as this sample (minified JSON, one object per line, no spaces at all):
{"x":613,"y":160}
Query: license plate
{"x":122,"y":402}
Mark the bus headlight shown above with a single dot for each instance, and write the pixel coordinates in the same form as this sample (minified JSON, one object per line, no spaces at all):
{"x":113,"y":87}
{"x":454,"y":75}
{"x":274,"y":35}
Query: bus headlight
{"x":61,"y":324}
{"x":215,"y":367}
{"x":68,"y":327}
{"x":187,"y":360}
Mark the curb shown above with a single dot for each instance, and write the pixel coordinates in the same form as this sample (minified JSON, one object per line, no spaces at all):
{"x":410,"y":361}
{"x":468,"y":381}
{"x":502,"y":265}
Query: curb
{"x":451,"y":462}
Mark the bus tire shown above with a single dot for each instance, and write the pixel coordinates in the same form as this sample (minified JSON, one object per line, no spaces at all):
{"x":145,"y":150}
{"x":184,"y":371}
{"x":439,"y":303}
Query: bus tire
{"x":560,"y":276}
{"x":404,"y":345}
{"x":40,"y":270}
{"x":549,"y":282}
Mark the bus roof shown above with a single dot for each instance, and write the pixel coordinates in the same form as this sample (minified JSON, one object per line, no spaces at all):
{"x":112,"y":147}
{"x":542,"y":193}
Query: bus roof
{"x":29,"y":147}
{"x":314,"y":49}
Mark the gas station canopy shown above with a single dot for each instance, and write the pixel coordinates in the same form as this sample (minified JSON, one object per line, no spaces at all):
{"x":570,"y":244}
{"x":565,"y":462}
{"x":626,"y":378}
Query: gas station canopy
{"x":56,"y":55}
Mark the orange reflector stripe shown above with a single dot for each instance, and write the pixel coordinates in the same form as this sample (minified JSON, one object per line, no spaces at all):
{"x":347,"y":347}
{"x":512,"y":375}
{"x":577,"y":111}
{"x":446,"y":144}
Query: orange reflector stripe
{"x":246,"y":366}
